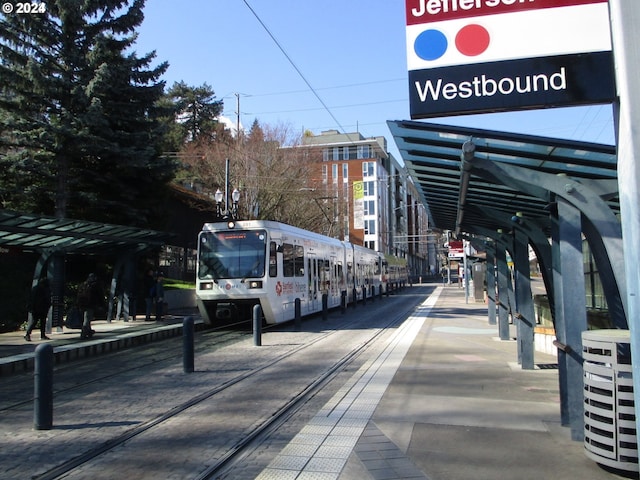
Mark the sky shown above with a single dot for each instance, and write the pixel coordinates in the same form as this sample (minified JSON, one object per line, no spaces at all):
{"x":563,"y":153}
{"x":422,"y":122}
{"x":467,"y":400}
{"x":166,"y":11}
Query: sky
{"x":319,"y":65}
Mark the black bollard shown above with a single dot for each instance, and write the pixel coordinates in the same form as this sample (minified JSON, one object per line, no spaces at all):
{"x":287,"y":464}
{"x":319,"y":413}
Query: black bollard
{"x":355,"y":297}
{"x":43,"y":388}
{"x":298,"y":314}
{"x":187,"y":345}
{"x":257,"y":325}
{"x":343,"y":301}
{"x":325,"y":306}
{"x":364,"y":294}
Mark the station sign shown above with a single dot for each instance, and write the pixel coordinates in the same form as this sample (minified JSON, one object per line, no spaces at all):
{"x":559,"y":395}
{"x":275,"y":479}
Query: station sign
{"x":479,"y":56}
{"x":456,"y":249}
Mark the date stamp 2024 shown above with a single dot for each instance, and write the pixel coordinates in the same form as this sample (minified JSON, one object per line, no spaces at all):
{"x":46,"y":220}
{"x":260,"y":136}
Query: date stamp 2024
{"x":24,"y":8}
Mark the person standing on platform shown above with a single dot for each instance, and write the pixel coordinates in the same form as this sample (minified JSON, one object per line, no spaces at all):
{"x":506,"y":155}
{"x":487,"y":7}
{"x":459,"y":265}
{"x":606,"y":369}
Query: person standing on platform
{"x":159,"y":296}
{"x":149,"y":289}
{"x":39,"y":303}
{"x":90,"y":297}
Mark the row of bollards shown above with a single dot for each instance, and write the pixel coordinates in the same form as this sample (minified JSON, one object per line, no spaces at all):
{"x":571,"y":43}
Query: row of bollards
{"x":43,"y":375}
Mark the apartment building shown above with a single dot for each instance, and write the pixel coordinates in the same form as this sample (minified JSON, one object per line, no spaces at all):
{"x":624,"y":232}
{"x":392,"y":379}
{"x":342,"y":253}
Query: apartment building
{"x":369,"y":195}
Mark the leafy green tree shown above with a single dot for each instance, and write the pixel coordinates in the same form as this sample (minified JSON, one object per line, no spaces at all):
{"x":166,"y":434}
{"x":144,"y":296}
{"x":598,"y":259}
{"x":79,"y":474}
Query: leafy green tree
{"x":197,"y":112}
{"x":80,"y":114}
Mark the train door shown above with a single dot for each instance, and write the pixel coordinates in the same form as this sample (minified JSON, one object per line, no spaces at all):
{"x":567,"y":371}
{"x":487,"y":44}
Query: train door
{"x":313,"y":268}
{"x":348,"y":261}
{"x":334,"y":291}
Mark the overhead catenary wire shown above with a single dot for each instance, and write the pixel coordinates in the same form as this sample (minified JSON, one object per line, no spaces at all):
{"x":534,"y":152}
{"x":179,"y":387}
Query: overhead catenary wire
{"x":295,"y":67}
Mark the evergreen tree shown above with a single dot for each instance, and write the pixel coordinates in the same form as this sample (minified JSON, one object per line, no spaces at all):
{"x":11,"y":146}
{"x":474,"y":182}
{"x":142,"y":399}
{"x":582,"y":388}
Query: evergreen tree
{"x":79,"y":114}
{"x":256,"y":134}
{"x":197,"y":112}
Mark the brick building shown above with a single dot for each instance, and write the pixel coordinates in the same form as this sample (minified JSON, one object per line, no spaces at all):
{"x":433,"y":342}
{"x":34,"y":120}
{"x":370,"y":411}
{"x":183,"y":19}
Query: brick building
{"x":369,"y":196}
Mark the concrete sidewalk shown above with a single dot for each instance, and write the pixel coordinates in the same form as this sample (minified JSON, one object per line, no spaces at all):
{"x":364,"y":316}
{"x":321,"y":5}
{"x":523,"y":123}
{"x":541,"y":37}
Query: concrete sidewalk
{"x":460,"y":407}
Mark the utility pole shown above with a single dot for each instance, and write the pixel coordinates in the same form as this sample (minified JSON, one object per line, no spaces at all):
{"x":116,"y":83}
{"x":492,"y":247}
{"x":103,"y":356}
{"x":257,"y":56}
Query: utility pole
{"x":237,"y":116}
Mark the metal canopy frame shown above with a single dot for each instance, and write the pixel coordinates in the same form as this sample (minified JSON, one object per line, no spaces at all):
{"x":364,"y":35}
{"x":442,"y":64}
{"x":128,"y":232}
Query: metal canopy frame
{"x":518,"y":189}
{"x":33,"y":233}
{"x":458,"y":202}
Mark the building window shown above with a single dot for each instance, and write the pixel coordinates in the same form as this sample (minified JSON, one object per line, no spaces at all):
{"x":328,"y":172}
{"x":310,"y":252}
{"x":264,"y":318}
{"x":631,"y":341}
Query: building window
{"x":369,"y":188}
{"x":369,"y":207}
{"x":370,"y":244}
{"x":369,"y":227}
{"x":325,"y":173}
{"x":363,"y":151}
{"x":345,"y":172}
{"x":334,"y":172}
{"x":325,"y":155}
{"x":345,"y":153}
{"x":368,"y":169}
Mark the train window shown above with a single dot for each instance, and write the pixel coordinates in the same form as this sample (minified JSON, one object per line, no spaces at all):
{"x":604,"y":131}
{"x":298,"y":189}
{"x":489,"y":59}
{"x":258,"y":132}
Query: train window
{"x":232,"y":254}
{"x":273,"y":260}
{"x":288,"y":265}
{"x":298,"y":261}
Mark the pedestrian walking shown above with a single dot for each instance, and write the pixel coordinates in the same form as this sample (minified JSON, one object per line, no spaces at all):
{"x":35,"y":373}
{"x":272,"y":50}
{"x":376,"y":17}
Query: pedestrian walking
{"x":90,"y":297}
{"x":39,"y":303}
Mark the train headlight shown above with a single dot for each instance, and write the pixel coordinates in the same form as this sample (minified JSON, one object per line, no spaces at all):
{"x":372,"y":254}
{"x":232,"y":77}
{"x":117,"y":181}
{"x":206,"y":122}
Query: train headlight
{"x":206,"y":286}
{"x":255,"y":284}
{"x":231,"y":225}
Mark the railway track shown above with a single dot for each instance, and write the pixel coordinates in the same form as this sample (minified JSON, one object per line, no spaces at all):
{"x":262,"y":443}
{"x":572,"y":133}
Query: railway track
{"x":249,"y":394}
{"x":18,"y":389}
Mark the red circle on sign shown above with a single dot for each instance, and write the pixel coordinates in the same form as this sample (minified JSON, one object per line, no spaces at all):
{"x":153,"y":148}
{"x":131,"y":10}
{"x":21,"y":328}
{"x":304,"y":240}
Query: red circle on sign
{"x":472,"y":40}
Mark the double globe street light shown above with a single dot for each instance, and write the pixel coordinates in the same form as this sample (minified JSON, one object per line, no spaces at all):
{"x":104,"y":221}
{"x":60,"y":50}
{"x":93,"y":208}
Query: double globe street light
{"x":222,"y":204}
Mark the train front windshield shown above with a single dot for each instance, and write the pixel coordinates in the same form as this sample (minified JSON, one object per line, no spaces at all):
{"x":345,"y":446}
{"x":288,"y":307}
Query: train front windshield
{"x":232,"y":254}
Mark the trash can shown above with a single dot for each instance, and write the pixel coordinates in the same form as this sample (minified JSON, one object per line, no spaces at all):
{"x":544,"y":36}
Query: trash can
{"x":610,"y":437}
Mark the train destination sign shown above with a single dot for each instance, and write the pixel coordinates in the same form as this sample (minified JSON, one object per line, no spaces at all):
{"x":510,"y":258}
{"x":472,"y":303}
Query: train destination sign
{"x":475,"y":56}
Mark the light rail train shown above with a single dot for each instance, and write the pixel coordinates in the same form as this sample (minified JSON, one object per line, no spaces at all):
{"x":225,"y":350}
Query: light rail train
{"x":248,"y":262}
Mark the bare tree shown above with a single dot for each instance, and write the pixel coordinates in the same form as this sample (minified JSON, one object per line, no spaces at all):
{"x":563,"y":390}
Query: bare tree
{"x":274,"y":178}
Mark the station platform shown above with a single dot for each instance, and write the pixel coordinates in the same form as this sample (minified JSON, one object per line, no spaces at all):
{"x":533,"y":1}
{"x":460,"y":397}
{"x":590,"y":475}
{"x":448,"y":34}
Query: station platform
{"x":18,"y":354}
{"x":447,"y":401}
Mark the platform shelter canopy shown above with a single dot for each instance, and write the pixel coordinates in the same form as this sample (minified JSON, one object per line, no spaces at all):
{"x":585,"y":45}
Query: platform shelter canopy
{"x":34,"y":233}
{"x":432,"y":154}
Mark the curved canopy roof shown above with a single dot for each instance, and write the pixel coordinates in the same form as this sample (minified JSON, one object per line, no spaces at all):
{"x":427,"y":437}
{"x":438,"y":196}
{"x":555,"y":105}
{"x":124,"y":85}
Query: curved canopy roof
{"x":33,"y":233}
{"x":460,"y":201}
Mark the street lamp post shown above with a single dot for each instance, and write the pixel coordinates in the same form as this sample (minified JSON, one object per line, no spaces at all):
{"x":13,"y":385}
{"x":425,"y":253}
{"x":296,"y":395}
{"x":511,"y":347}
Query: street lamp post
{"x":222,"y":205}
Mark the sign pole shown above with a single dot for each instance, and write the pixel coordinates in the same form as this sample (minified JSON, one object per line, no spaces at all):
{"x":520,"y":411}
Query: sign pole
{"x":625,"y":23}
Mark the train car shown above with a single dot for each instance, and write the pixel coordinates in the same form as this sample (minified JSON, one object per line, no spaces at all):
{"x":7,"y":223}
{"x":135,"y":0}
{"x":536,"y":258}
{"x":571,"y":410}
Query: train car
{"x":367,"y":268}
{"x":246,"y":263}
{"x":396,"y":270}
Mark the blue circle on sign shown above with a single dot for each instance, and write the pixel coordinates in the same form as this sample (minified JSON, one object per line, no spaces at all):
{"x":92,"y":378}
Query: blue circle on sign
{"x":430,"y":45}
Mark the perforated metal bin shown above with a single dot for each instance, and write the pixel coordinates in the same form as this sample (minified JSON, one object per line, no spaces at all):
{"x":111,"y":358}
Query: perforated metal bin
{"x":609,"y":413}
